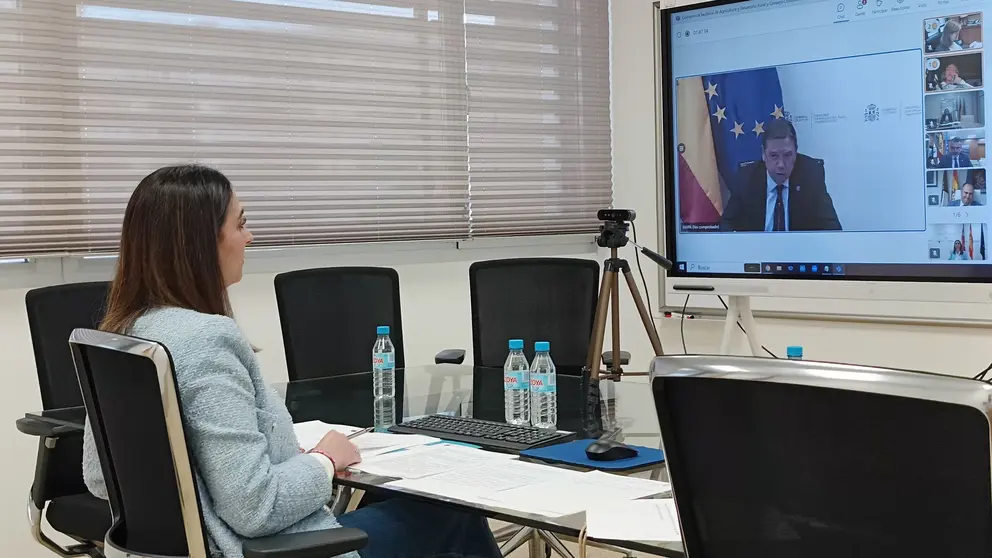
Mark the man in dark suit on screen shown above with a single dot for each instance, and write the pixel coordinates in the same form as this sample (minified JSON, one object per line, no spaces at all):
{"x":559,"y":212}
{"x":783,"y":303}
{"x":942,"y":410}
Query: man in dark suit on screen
{"x":955,"y":158}
{"x":785,"y":191}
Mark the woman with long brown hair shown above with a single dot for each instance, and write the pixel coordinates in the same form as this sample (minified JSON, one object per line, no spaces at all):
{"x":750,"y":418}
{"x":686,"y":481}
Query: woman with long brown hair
{"x":182,"y":245}
{"x":949,"y":36}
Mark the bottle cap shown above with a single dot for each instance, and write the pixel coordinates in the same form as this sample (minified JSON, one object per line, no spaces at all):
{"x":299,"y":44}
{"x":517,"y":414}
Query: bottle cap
{"x":382,"y":330}
{"x":516,"y":344}
{"x":542,"y":346}
{"x":794,"y":351}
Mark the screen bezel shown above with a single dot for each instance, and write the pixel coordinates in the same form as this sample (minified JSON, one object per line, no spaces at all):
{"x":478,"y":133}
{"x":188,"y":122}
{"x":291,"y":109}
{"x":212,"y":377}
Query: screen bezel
{"x":665,"y":146}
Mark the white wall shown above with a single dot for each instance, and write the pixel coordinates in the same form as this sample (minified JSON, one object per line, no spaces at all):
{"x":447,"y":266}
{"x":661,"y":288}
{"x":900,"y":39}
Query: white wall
{"x":435,"y":291}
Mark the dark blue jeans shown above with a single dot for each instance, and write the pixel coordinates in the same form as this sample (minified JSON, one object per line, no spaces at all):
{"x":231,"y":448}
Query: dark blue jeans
{"x":400,"y":528}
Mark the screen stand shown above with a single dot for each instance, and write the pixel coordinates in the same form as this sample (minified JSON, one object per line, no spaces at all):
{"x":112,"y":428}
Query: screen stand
{"x":739,"y":311}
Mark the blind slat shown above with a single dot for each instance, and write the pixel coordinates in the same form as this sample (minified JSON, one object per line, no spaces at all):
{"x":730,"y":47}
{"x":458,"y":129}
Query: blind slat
{"x":540,"y":154}
{"x":336,"y":121}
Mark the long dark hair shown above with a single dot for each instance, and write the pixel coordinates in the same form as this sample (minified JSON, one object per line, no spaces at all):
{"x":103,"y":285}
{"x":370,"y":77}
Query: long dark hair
{"x":168,"y":252}
{"x":949,"y":29}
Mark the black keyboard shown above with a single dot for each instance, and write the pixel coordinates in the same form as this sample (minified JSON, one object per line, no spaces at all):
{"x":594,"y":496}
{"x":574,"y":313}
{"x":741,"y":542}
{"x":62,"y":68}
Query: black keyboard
{"x":491,"y":435}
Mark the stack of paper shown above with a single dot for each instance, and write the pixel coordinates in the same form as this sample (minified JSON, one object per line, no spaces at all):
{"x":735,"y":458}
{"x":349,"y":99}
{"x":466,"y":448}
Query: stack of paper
{"x":568,"y":496}
{"x":498,"y":480}
{"x":481,"y":484}
{"x":427,"y":460}
{"x":369,"y":444}
{"x":310,"y":433}
{"x":373,"y":444}
{"x":640,"y":520}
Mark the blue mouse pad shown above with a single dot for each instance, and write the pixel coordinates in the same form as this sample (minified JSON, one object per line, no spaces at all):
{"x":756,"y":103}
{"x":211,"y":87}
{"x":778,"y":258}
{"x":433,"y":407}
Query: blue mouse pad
{"x":574,"y":453}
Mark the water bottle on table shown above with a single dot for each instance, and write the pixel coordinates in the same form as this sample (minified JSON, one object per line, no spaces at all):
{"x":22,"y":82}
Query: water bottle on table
{"x":383,"y":380}
{"x":543,"y":388}
{"x":516,"y":385}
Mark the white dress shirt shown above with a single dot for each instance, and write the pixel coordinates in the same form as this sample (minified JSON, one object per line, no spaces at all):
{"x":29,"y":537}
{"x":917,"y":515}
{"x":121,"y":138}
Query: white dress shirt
{"x":770,"y":203}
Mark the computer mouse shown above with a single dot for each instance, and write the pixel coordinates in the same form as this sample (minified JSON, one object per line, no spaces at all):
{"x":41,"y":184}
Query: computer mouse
{"x":609,"y":450}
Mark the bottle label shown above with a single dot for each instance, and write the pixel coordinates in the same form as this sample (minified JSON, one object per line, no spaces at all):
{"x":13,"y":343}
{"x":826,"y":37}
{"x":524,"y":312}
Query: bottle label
{"x":542,"y":383}
{"x":383,"y":361}
{"x":514,"y":379}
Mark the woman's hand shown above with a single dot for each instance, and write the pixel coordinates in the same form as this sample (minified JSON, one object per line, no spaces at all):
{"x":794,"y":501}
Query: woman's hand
{"x":342,"y":452}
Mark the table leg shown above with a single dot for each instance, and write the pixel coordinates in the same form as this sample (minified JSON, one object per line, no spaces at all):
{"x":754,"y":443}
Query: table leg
{"x":535,"y":547}
{"x":516,"y":541}
{"x":506,"y":533}
{"x":552,"y":541}
{"x":434,"y":395}
{"x":458,"y":397}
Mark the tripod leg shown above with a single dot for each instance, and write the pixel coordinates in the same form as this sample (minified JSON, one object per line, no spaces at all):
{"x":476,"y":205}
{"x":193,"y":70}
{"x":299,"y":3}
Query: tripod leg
{"x":599,"y":324}
{"x":642,"y":310}
{"x":615,"y":315}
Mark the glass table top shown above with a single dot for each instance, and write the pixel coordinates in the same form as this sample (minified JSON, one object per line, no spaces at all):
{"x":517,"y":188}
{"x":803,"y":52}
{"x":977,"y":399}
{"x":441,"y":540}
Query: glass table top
{"x":477,"y":392}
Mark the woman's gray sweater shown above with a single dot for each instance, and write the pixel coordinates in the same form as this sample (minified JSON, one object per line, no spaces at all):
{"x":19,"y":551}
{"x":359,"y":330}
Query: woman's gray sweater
{"x":252,"y":478}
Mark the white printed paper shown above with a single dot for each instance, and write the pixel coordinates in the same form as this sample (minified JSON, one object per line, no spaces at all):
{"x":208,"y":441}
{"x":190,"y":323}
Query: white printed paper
{"x":424,"y":461}
{"x":639,"y":520}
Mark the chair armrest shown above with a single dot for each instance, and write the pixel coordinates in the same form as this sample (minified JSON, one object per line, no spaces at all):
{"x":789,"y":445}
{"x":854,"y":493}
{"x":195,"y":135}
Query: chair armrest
{"x":51,"y":458}
{"x":314,"y":544}
{"x":608,"y":358}
{"x":44,"y":429}
{"x":450,"y":356}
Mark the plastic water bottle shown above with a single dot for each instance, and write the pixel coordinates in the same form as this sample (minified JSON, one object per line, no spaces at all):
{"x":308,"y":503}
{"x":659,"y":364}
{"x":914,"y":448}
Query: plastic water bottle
{"x":383,"y":380}
{"x":794,"y":352}
{"x":543,"y":388}
{"x":516,"y":385}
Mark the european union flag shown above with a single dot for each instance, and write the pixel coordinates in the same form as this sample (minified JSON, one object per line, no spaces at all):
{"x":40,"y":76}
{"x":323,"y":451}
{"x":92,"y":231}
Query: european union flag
{"x":740,"y":104}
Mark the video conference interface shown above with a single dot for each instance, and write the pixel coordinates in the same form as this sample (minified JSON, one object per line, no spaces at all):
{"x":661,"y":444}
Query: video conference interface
{"x":830,"y":139}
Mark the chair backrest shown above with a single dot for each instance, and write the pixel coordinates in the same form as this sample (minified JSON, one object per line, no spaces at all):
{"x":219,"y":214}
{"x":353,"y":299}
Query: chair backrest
{"x":53,"y":312}
{"x":329,"y":316}
{"x":134,"y":410}
{"x":534,"y":299}
{"x":789,"y":458}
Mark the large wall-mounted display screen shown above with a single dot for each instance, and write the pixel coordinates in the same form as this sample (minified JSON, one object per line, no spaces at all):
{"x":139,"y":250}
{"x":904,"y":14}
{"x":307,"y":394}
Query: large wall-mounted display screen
{"x":812,"y":139}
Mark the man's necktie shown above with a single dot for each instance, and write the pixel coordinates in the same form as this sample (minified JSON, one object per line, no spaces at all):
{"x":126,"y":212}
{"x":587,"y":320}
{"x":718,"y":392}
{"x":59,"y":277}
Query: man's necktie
{"x":779,"y":215}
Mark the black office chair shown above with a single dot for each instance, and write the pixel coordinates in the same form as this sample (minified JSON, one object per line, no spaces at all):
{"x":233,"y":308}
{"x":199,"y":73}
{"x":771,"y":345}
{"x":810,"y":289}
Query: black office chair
{"x":790,"y":458}
{"x":334,"y":311}
{"x":53,"y":312}
{"x":134,"y":407}
{"x":534,"y":299}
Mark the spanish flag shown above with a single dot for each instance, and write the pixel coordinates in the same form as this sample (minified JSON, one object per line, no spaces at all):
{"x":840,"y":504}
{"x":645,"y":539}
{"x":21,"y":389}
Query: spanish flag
{"x":971,"y":244}
{"x":700,"y":201}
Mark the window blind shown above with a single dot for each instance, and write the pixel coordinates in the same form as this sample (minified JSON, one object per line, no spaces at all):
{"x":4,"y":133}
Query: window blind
{"x":540,"y":157}
{"x":336,"y":121}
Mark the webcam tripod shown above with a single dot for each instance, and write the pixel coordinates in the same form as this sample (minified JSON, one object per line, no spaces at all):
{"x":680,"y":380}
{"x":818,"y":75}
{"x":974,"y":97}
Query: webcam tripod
{"x":613,"y":235}
{"x":597,"y":420}
{"x":609,"y":297}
